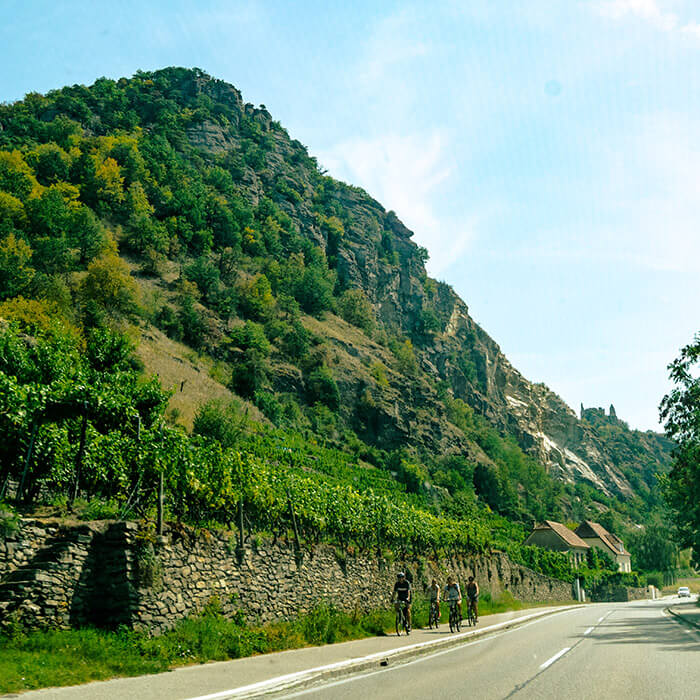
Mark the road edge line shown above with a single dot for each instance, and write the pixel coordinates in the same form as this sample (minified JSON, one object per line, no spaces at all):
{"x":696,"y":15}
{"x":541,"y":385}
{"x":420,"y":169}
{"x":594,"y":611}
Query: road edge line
{"x":682,"y":618}
{"x":371,"y":661}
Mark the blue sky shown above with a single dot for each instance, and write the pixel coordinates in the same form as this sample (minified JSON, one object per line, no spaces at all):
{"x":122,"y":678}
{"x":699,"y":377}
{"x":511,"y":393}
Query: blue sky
{"x":545,"y":152}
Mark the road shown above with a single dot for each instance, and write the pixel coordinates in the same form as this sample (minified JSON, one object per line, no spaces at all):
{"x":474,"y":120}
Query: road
{"x":631,"y":650}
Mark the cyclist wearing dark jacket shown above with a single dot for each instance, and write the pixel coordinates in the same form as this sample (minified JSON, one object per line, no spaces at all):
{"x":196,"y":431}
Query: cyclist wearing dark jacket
{"x":403,"y":593}
{"x":473,"y":596}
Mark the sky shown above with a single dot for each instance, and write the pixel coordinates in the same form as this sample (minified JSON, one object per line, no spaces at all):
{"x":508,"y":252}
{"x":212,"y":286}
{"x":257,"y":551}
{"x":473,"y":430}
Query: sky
{"x":544,"y":152}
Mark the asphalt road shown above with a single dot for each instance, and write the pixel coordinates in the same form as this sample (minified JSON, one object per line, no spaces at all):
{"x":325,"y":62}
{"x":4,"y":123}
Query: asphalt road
{"x":631,"y":650}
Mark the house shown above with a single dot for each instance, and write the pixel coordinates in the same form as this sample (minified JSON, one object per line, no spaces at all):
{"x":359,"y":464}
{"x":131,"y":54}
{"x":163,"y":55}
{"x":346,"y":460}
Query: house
{"x":557,"y":537}
{"x":595,"y":535}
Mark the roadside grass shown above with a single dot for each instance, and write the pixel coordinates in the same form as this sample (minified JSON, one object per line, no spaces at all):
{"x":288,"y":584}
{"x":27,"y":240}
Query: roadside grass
{"x":42,"y":658}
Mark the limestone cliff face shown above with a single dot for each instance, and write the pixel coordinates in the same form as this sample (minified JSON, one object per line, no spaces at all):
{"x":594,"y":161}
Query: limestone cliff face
{"x":544,"y":425}
{"x":377,"y":255}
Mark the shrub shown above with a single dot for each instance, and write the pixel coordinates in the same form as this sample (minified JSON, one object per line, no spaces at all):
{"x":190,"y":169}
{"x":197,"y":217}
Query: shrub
{"x":168,"y":320}
{"x":321,"y":388}
{"x":9,"y":521}
{"x":218,"y":421}
{"x":192,"y":321}
{"x":354,"y":306}
{"x":269,"y":405}
{"x":251,"y":336}
{"x":295,"y":340}
{"x":255,"y":299}
{"x":314,"y":291}
{"x":15,"y":271}
{"x":406,"y":362}
{"x":249,"y":373}
{"x":378,"y":371}
{"x":109,"y":285}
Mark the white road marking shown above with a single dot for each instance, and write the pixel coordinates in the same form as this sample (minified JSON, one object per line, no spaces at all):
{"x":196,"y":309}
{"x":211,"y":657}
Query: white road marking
{"x":558,"y":655}
{"x":600,"y":619}
{"x":588,"y":631}
{"x":274,"y":685}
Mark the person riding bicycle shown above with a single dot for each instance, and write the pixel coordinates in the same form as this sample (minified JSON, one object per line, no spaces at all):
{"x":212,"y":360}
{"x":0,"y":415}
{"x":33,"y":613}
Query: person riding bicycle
{"x":452,"y":592}
{"x":403,"y":593}
{"x":473,"y":597}
{"x":434,"y":595}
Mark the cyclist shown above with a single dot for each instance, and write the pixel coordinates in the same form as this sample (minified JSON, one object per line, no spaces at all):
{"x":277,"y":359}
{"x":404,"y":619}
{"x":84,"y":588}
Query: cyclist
{"x":434,"y":595}
{"x":403,"y":593}
{"x":473,"y":597}
{"x":452,"y":593}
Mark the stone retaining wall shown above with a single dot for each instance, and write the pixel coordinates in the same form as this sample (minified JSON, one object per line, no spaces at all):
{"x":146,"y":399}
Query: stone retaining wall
{"x":109,"y":574}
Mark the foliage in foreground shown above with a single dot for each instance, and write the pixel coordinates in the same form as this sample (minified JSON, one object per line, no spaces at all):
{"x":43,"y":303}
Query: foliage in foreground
{"x":77,"y":416}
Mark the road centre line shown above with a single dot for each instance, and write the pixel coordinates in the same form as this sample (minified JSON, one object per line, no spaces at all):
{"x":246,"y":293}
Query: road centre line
{"x":588,"y":631}
{"x":558,"y":655}
{"x":280,"y":683}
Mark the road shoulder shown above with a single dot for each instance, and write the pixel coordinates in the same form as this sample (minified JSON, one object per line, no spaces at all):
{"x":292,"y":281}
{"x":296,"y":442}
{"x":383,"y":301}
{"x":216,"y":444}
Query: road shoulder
{"x":296,"y":668}
{"x":689,"y":613}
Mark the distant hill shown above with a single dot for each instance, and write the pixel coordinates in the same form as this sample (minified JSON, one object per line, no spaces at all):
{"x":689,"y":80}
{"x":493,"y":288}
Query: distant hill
{"x":247,"y":272}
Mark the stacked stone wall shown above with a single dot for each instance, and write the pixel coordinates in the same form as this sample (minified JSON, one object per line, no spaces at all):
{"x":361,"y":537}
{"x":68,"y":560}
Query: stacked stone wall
{"x":109,"y":574}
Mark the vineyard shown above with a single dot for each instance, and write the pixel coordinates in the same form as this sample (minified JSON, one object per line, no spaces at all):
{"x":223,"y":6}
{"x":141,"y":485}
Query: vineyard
{"x":77,"y":418}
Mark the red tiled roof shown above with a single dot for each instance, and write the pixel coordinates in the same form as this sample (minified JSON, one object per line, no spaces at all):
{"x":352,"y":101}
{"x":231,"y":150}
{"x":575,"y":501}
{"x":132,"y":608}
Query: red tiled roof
{"x":570,"y":537}
{"x":614,"y":544}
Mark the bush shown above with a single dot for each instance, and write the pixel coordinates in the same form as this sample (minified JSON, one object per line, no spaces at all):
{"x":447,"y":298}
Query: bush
{"x":354,"y":306}
{"x":295,"y":340}
{"x":269,"y":405}
{"x":378,"y":371}
{"x":192,"y":322}
{"x":406,"y":362}
{"x":169,"y":322}
{"x":9,"y":521}
{"x":251,"y":336}
{"x":249,"y":373}
{"x":321,"y":388}
{"x":255,"y":300}
{"x":218,"y":421}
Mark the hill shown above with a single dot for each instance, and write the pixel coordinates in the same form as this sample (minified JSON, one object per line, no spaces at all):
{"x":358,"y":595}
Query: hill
{"x":270,"y":299}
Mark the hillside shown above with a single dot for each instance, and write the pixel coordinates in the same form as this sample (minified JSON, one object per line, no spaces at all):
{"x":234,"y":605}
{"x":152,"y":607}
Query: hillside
{"x":166,"y":207}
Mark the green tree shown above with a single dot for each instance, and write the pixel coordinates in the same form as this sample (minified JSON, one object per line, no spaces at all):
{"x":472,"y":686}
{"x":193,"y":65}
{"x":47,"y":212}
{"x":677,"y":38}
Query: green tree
{"x":321,"y":388}
{"x":652,"y":549}
{"x":109,"y":284}
{"x":50,"y":162}
{"x":405,"y":356}
{"x":15,"y":271}
{"x":255,"y":298}
{"x":680,"y":411}
{"x":354,"y":307}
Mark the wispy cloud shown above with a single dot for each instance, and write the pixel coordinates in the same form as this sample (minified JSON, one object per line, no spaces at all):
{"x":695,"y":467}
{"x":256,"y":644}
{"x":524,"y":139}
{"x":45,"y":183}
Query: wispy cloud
{"x":649,"y":10}
{"x":406,"y":173}
{"x":657,"y":13}
{"x":391,"y":45}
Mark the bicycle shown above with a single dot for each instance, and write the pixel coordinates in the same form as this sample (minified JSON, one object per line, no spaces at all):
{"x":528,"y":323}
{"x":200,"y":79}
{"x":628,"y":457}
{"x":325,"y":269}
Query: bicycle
{"x":455,"y":616}
{"x":471,"y":613}
{"x":434,"y":615}
{"x":401,"y":618}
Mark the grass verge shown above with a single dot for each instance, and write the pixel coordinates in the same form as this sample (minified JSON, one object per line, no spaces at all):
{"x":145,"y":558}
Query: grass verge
{"x":43,"y":658}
